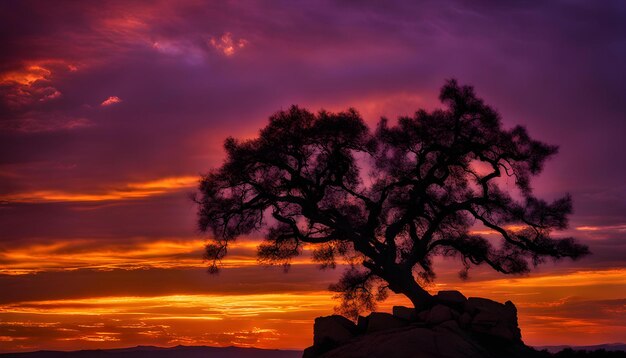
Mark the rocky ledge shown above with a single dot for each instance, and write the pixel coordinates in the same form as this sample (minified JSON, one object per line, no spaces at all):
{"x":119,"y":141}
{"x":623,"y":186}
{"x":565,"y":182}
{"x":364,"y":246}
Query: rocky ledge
{"x":454,"y":327}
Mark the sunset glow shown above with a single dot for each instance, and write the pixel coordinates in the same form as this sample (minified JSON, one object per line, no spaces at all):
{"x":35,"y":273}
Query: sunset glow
{"x":128,"y":191}
{"x":111,"y":113}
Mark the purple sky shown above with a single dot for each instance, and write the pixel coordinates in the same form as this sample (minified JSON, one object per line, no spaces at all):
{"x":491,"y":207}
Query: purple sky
{"x":109,"y":110}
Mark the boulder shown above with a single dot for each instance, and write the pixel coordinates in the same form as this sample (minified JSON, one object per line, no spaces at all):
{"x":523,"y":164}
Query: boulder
{"x":423,"y":316}
{"x":486,"y":319}
{"x":405,"y":313}
{"x":332,"y":331}
{"x":439,"y":314}
{"x":451,"y":325}
{"x":410,"y":342}
{"x":465,"y":320}
{"x":510,"y":310}
{"x":361,"y":324}
{"x":476,"y":304}
{"x":443,"y":341}
{"x":484,"y":328}
{"x":380,"y":321}
{"x":494,"y":319}
{"x":451,"y":298}
{"x":506,"y":331}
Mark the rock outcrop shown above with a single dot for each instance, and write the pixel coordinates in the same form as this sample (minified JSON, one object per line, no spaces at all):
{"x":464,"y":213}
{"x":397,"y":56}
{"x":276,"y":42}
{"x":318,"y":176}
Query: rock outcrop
{"x":454,"y":327}
{"x":332,"y":331}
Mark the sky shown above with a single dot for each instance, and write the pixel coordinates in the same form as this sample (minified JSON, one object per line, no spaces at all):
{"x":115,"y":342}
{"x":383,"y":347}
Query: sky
{"x":110,"y":111}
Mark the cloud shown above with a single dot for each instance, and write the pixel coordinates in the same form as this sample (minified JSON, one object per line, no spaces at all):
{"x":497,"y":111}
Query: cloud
{"x":32,"y":84}
{"x":26,"y":76}
{"x":160,"y":216}
{"x":148,"y":303}
{"x":128,"y":254}
{"x":260,"y":320}
{"x":575,"y":322}
{"x":227,"y":45}
{"x":110,"y":101}
{"x":96,"y":254}
{"x":26,"y":85}
{"x":126,"y":191}
{"x":605,"y":228}
{"x":38,"y":122}
{"x":30,"y":94}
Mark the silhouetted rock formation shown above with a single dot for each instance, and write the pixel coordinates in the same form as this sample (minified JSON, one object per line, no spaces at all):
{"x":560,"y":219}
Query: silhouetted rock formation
{"x":454,"y":327}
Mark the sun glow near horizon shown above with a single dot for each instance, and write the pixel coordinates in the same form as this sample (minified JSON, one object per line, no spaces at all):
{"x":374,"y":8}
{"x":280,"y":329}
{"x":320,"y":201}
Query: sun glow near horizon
{"x":539,"y":298}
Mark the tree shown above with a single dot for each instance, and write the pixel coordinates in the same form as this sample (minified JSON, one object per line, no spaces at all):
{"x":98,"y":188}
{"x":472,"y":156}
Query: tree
{"x":430,"y":179}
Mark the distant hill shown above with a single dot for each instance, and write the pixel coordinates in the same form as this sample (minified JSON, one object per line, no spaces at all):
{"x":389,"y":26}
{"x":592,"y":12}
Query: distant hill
{"x":157,"y":352}
{"x":609,"y":347}
{"x":234,"y":352}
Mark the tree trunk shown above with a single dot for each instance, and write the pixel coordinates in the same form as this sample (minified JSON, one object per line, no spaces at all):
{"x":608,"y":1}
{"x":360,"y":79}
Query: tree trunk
{"x":404,"y":283}
{"x":420,"y":298}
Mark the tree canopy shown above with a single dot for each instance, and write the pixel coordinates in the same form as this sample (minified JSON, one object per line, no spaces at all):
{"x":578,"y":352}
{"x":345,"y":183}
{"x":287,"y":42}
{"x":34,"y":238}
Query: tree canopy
{"x":388,"y":200}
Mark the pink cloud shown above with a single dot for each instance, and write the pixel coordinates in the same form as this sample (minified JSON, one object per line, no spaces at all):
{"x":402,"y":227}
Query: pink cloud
{"x":110,"y":101}
{"x":227,"y":45}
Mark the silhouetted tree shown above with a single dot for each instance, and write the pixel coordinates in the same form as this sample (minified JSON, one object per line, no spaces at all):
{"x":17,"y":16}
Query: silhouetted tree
{"x":429,"y":179}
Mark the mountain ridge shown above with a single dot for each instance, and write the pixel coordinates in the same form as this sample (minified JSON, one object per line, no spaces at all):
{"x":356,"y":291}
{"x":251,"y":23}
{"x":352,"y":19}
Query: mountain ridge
{"x":162,"y":352}
{"x":611,"y":347}
{"x":231,"y":351}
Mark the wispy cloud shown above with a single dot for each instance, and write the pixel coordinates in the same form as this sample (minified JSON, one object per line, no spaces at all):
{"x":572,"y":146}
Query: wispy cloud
{"x":244,"y":320}
{"x":132,"y":254}
{"x":126,"y":191}
{"x":37,"y":122}
{"x":619,"y":228}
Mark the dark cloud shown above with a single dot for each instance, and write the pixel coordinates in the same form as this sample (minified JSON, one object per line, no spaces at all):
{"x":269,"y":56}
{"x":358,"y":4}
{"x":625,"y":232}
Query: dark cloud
{"x":159,"y":282}
{"x":169,"y":215}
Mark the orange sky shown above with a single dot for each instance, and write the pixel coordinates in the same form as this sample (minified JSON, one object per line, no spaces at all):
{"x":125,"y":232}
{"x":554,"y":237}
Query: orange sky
{"x":110,"y":112}
{"x":90,"y":293}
